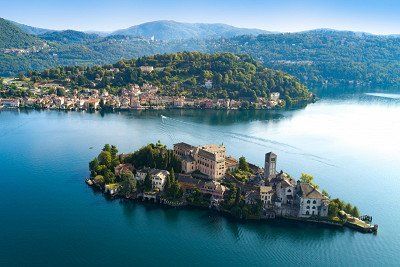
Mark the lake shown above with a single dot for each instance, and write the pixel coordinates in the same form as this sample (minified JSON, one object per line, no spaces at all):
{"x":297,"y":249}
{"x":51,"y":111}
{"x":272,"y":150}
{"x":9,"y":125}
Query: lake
{"x":50,"y":217}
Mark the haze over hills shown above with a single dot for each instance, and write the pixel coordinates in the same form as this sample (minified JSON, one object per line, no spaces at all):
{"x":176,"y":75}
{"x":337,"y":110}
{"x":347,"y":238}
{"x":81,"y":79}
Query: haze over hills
{"x":321,"y":57}
{"x":172,"y":30}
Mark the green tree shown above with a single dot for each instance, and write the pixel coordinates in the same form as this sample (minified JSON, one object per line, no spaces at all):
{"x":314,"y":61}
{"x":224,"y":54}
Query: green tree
{"x":308,"y":178}
{"x":105,"y":158}
{"x":355,"y":212}
{"x":128,"y":184}
{"x":147,"y":183}
{"x":93,"y":166}
{"x":109,"y":177}
{"x":243,"y":165}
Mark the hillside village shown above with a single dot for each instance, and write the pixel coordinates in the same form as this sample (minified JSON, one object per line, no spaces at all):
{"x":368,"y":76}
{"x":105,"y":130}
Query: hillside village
{"x":205,"y":176}
{"x":55,"y":96}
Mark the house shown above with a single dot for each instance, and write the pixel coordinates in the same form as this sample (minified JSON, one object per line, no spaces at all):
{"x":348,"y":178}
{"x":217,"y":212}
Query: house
{"x":188,"y":183}
{"x":92,"y":103}
{"x":158,"y":177}
{"x":274,"y":96}
{"x":10,"y":103}
{"x":214,"y":188}
{"x":123,"y":168}
{"x":285,"y":190}
{"x":251,"y":197}
{"x":208,"y":84}
{"x":231,"y":163}
{"x":312,"y":202}
{"x":208,"y":159}
{"x":266,"y":195}
{"x":111,"y":189}
{"x":146,"y":68}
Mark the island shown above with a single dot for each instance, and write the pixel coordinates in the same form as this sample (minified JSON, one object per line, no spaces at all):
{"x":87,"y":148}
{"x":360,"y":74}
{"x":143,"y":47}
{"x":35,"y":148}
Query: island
{"x":179,"y":80}
{"x":205,"y":176}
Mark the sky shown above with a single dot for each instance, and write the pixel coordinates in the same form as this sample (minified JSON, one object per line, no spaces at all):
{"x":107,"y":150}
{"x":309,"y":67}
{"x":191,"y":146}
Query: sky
{"x":378,"y":17}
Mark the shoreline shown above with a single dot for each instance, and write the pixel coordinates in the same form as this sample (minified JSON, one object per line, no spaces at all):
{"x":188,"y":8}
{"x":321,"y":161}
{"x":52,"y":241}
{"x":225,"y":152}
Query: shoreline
{"x":230,"y":216}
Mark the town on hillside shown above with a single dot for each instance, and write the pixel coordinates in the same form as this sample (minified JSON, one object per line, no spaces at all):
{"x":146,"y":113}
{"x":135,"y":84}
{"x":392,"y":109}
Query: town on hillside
{"x":49,"y":95}
{"x":205,"y":176}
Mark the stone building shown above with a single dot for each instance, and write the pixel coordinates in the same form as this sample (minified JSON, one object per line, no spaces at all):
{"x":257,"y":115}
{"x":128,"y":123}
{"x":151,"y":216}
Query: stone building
{"x":270,"y":165}
{"x":311,"y":201}
{"x":208,"y":159}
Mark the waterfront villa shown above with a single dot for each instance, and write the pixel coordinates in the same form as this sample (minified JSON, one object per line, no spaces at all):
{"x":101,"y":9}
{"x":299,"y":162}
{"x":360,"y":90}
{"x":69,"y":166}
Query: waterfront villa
{"x":158,"y":177}
{"x":312,"y":201}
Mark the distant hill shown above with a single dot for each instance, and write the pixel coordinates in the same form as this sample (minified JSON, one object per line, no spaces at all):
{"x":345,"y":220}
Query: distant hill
{"x":30,"y":29}
{"x":172,"y":30}
{"x":12,"y":36}
{"x":321,"y":57}
{"x":69,"y":37}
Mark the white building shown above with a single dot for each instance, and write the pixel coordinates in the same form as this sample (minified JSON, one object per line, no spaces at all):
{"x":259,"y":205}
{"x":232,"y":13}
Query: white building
{"x":266,"y":194}
{"x":146,"y":68}
{"x":10,"y":103}
{"x":158,"y":177}
{"x":275,"y":96}
{"x":312,"y":201}
{"x":285,"y":191}
{"x":208,"y":84}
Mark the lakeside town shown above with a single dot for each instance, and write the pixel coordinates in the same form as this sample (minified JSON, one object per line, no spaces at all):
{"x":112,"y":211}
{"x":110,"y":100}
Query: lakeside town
{"x":22,"y":93}
{"x":206,"y":177}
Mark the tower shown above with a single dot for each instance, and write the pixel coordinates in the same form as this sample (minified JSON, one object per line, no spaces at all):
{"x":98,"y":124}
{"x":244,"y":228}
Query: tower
{"x":270,"y":165}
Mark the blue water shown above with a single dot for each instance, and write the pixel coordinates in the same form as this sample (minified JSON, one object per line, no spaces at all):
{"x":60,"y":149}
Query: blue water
{"x":49,"y":217}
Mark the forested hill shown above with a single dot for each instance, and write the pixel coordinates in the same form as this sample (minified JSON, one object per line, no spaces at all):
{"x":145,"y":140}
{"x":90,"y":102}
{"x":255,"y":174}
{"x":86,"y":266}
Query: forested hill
{"x":12,"y":36}
{"x":317,"y":58}
{"x":232,"y":76}
{"x":324,"y":56}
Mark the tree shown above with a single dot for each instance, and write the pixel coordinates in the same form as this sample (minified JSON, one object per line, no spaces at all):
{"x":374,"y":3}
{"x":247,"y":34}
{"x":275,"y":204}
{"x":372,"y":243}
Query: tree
{"x":325,"y":193}
{"x":348,"y":208}
{"x":109,"y":177}
{"x":105,"y":158}
{"x":128,"y":184}
{"x":355,"y":212}
{"x":243,"y":165}
{"x":60,"y":91}
{"x":113,"y":151}
{"x":99,"y":179}
{"x":308,"y":178}
{"x":93,"y":166}
{"x":107,"y":147}
{"x":147,"y":182}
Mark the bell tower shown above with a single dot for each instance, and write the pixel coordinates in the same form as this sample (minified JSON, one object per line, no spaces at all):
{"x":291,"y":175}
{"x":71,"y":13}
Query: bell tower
{"x":270,"y":165}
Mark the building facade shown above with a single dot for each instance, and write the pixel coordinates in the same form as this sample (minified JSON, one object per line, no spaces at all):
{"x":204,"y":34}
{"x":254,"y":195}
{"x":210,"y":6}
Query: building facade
{"x":270,"y":165}
{"x":312,"y":202}
{"x":208,"y":159}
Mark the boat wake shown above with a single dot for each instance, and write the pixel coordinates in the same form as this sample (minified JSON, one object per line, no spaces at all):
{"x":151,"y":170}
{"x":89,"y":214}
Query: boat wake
{"x":171,"y":126}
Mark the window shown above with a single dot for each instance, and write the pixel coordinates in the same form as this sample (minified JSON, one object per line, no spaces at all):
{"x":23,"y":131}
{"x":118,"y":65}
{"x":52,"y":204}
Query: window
{"x":313,"y":207}
{"x":308,"y":207}
{"x":308,"y":201}
{"x":307,"y":212}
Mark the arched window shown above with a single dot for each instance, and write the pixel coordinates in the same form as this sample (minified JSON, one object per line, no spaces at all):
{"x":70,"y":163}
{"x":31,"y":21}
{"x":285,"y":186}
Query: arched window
{"x":307,"y":212}
{"x":308,"y":201}
{"x":314,"y":202}
{"x":289,"y":190}
{"x":308,"y":207}
{"x":313,"y":207}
